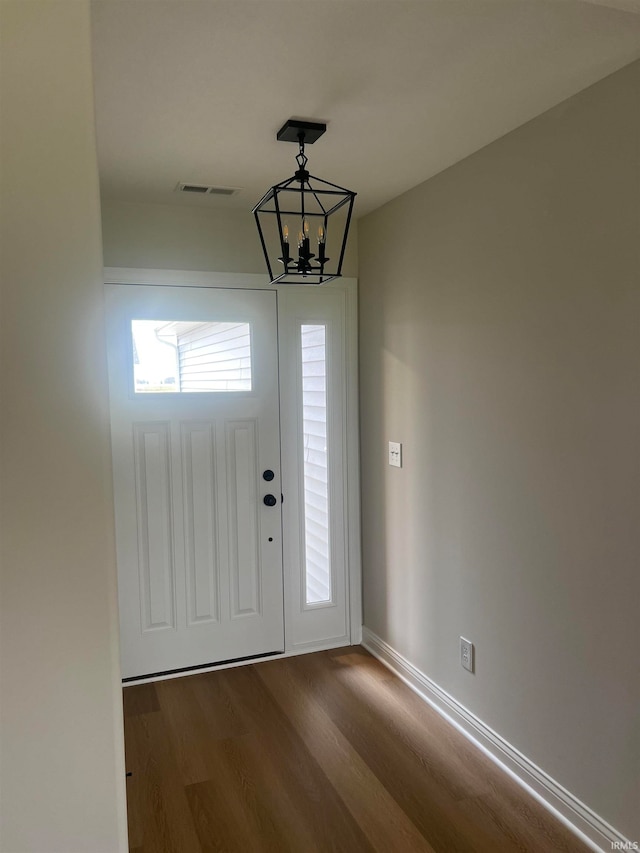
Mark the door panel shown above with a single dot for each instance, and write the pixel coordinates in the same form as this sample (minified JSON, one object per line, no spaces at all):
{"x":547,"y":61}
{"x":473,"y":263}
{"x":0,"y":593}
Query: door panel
{"x":242,"y":476}
{"x":199,"y":553}
{"x":202,"y":565}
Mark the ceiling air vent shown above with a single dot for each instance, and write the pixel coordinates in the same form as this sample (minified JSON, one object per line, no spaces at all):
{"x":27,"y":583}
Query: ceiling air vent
{"x":203,"y":189}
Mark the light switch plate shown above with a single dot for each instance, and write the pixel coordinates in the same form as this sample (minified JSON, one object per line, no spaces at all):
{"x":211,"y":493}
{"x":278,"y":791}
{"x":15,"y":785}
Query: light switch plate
{"x":395,"y":454}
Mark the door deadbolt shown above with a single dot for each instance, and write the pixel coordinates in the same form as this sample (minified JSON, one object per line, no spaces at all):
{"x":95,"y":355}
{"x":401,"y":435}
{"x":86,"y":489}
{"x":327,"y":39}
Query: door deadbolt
{"x":268,"y":475}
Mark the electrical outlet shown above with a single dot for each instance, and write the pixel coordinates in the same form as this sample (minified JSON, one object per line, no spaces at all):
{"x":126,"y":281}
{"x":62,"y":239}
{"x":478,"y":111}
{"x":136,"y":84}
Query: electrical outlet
{"x":395,"y":454}
{"x":467,"y":654}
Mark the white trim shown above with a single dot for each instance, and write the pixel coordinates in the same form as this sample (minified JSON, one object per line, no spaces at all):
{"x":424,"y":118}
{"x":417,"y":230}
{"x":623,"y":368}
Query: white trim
{"x":185,"y":278}
{"x":305,"y":650}
{"x":354,"y":553}
{"x":575,"y":815}
{"x":320,"y":645}
{"x":201,"y":278}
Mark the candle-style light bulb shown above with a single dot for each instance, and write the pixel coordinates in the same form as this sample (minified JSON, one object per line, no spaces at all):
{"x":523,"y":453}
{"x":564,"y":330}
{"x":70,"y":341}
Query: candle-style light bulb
{"x":304,"y":252}
{"x":285,"y":245}
{"x":322,"y":238}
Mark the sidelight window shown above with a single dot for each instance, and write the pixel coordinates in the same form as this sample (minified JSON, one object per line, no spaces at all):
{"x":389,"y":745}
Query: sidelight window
{"x":315,"y":464}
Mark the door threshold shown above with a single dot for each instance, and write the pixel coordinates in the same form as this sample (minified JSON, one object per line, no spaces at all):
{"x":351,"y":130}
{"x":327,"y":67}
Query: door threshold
{"x":186,"y":670}
{"x":227,"y":664}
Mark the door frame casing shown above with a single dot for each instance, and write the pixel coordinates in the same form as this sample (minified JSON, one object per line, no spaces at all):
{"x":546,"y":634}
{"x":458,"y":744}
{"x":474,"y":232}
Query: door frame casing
{"x":348,"y":286}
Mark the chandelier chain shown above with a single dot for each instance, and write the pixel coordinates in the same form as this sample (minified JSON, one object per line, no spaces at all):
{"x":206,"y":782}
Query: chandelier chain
{"x":301,"y":158}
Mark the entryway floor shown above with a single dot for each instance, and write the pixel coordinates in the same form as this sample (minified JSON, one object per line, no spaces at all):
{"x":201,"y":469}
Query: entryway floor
{"x":322,"y":752}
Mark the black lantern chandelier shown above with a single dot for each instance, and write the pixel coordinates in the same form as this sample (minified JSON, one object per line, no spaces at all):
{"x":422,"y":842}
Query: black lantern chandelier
{"x":293,"y":218}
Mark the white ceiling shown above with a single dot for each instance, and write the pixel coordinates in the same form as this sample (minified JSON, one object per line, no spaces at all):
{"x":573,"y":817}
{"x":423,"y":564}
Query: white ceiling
{"x":195,"y":90}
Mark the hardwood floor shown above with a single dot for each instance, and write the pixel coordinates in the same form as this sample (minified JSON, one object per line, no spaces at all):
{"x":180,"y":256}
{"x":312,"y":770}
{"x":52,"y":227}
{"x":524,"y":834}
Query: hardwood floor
{"x":323,"y":752}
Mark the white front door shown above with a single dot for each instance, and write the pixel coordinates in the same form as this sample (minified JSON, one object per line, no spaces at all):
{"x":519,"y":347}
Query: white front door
{"x":193,"y":378}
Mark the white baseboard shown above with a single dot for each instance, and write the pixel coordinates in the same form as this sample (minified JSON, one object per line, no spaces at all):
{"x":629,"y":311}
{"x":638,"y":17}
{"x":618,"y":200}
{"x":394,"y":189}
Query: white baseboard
{"x":579,"y":818}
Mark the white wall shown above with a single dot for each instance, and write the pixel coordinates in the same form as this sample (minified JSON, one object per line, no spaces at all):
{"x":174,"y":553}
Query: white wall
{"x":500,"y":342}
{"x":62,"y":770}
{"x":182,"y":237}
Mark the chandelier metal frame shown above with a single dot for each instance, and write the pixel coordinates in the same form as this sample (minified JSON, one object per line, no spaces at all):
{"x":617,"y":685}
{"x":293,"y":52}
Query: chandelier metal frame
{"x":304,"y":200}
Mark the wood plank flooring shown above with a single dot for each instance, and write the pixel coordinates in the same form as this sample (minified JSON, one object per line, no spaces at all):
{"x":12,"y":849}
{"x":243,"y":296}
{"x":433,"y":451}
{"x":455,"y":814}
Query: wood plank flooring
{"x":322,"y":752}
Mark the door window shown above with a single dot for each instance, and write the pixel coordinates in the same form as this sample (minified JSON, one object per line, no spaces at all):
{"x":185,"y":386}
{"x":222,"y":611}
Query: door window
{"x":183,"y":356}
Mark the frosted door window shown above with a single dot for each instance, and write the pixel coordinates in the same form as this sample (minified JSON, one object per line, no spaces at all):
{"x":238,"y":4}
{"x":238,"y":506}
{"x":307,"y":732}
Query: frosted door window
{"x":180,"y":356}
{"x":315,"y":464}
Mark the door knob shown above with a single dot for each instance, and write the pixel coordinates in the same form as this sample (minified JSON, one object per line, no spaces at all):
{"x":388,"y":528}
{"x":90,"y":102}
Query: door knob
{"x":268,"y":475}
{"x":269,"y":500}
